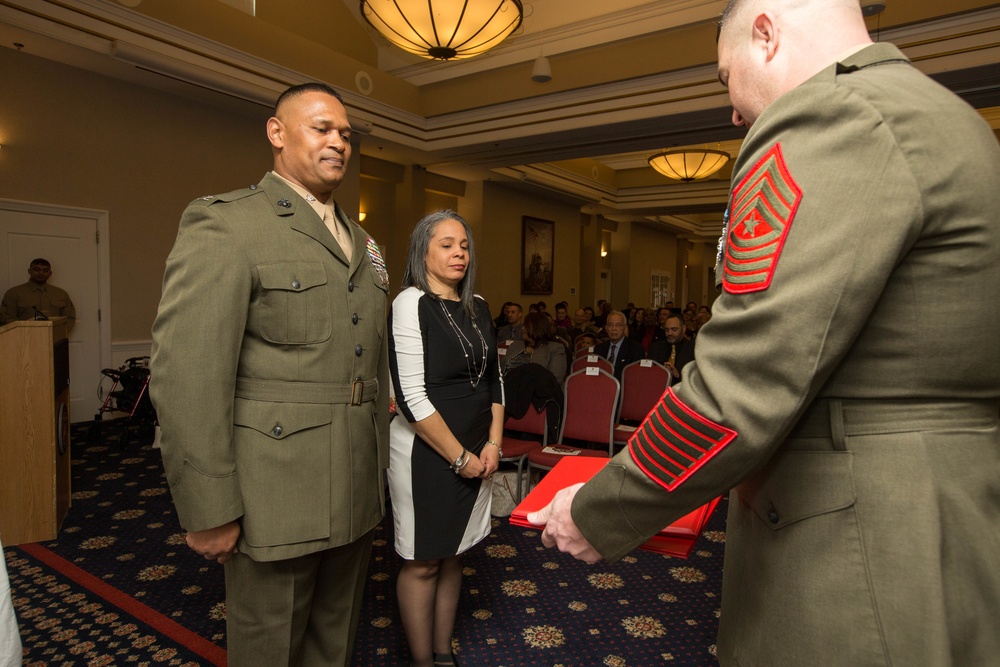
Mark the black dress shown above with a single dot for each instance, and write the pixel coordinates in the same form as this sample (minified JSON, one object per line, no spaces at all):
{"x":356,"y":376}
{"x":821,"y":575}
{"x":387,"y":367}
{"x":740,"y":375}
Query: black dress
{"x":441,"y":361}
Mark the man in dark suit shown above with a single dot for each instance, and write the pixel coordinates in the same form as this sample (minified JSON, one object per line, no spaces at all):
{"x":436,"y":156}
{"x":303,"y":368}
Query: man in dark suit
{"x":270,"y":382}
{"x":675,"y":351}
{"x":619,"y":349}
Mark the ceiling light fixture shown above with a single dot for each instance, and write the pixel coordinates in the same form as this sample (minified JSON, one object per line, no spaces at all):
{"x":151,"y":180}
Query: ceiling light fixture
{"x":444,"y":29}
{"x":689,"y":164}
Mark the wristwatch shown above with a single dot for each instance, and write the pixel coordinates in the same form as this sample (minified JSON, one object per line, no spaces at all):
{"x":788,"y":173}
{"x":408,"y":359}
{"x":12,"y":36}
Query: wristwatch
{"x":498,"y":446}
{"x":460,"y":462}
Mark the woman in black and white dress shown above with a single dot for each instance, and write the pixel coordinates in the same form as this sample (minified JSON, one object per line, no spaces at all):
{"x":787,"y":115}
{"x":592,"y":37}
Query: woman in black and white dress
{"x":446,"y":440}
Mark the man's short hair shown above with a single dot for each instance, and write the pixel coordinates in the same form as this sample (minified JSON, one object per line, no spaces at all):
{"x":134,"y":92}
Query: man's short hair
{"x":40,"y":261}
{"x":679,"y":319}
{"x":617,"y":313}
{"x":302,"y":88}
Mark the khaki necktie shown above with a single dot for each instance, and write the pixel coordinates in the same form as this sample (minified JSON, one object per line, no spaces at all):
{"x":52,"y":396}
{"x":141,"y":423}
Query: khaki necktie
{"x":673,"y":355}
{"x":342,"y":235}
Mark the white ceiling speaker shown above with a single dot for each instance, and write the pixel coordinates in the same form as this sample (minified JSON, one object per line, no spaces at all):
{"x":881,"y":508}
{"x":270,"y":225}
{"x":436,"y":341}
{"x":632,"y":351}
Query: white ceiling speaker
{"x":541,"y":71}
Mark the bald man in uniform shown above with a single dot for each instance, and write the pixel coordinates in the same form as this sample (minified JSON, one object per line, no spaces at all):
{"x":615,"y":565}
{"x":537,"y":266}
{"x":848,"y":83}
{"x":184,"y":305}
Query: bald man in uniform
{"x":270,"y":381}
{"x":864,"y":516}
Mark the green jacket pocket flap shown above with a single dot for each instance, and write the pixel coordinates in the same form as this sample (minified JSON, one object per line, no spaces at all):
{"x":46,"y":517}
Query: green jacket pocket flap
{"x":280,"y":420}
{"x":291,"y":276}
{"x":798,"y":485}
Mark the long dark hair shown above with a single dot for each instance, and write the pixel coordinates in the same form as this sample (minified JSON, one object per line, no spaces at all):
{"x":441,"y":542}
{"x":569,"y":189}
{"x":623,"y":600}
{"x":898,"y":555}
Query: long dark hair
{"x":415,"y":274}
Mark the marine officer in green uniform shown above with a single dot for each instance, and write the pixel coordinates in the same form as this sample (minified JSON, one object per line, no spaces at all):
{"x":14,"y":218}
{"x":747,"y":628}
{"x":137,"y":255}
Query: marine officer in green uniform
{"x":270,"y":381}
{"x":37,"y":298}
{"x":864,"y":464}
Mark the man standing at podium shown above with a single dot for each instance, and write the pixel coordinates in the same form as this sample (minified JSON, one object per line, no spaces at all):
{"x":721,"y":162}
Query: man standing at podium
{"x":36,"y":299}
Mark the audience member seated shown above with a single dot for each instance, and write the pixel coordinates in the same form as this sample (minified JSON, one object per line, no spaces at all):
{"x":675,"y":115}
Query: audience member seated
{"x":512,"y":330}
{"x":603,"y":310}
{"x":661,"y":318}
{"x":537,"y":346}
{"x":580,"y":326}
{"x":585,"y":341}
{"x":674,"y":351}
{"x":690,"y":317}
{"x":500,"y":320}
{"x":619,"y":349}
{"x":704,"y":315}
{"x":637,"y":325}
{"x":562,"y":316}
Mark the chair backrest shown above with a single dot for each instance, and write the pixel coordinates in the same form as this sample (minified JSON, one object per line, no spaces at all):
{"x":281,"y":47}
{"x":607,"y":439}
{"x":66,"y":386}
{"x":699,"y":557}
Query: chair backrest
{"x":502,"y":346}
{"x":590,"y":405}
{"x":591,"y":360}
{"x":533,"y":422}
{"x":583,"y":350}
{"x":643,"y":384}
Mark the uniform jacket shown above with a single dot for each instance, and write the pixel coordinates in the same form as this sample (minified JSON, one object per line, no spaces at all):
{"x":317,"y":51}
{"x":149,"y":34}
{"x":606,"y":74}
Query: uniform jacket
{"x":270,"y":374}
{"x":864,"y":525}
{"x":20,"y":302}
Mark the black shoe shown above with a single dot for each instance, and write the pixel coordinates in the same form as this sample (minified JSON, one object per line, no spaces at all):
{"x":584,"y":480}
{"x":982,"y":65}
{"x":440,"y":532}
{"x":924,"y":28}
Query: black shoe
{"x":445,"y":660}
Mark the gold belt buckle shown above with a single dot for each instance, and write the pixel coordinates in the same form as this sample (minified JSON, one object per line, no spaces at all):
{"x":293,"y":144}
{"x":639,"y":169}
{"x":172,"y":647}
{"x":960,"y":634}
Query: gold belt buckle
{"x":357,"y":390}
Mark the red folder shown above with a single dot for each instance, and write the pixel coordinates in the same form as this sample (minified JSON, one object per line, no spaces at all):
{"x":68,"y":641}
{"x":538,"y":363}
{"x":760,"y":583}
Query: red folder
{"x":677,"y":539}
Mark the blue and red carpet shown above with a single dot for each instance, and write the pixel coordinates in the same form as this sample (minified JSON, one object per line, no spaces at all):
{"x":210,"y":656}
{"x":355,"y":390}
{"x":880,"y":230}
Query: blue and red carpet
{"x":120,"y":587}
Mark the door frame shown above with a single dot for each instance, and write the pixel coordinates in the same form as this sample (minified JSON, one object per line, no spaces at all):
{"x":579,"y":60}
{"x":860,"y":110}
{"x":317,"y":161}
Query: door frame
{"x":103,"y":259}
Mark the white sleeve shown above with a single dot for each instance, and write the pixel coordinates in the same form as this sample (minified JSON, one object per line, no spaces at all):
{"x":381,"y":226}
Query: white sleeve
{"x":408,"y":340}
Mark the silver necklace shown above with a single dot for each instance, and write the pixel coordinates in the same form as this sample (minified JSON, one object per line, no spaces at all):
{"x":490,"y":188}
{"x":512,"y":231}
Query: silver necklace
{"x":470,"y":356}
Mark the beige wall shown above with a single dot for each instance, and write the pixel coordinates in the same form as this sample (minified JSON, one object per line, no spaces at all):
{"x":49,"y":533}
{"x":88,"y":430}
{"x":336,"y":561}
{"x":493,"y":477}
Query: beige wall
{"x":499,"y":247}
{"x":651,"y":250}
{"x":74,"y":138}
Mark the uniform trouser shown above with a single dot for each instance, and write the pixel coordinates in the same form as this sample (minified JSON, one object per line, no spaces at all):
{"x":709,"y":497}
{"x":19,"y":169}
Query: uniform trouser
{"x":870,"y":538}
{"x":301,"y":611}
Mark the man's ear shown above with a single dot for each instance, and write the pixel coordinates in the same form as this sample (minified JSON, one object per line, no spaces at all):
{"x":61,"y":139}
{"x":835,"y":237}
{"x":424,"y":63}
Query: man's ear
{"x":275,"y":132}
{"x":765,"y":34}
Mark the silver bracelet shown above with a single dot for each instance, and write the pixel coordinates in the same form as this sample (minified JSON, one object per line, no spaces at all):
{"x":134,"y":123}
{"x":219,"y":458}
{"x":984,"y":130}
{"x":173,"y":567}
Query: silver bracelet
{"x":498,"y":446}
{"x":460,"y":462}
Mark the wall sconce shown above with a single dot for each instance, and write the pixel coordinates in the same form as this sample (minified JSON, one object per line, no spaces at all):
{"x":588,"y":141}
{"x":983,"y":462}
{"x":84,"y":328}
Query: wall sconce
{"x":361,"y":216}
{"x":604,"y":253}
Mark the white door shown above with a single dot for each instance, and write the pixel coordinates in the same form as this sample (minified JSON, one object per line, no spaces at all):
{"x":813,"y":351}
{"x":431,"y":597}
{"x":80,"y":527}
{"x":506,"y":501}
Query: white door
{"x":68,"y":238}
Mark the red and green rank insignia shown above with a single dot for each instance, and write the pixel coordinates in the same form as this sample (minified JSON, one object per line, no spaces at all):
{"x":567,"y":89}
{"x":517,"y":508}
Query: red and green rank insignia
{"x":761,"y":213}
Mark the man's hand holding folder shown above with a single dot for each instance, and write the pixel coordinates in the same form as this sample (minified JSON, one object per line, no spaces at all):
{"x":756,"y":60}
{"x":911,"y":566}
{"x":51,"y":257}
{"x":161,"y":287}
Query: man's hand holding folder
{"x":560,"y":530}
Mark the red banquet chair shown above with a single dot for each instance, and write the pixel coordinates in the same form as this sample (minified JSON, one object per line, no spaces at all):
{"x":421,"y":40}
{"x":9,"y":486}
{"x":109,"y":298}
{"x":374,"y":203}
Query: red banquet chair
{"x":588,"y":360}
{"x":643,"y":384}
{"x":516,"y":450}
{"x":588,"y":414}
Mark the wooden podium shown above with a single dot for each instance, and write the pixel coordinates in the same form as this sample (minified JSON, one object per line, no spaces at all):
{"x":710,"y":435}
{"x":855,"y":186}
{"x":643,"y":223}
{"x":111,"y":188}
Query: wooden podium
{"x":34,"y":430}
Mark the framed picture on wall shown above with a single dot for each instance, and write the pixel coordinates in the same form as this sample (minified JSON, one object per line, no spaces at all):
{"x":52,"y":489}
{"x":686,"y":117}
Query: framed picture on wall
{"x":537,"y":250}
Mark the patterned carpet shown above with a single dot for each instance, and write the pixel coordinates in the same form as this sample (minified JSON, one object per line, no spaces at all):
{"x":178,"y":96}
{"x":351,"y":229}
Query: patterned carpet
{"x":119,"y":587}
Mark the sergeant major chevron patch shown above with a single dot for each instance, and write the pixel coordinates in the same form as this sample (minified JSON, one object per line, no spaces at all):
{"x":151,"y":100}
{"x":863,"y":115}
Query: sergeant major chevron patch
{"x":675,"y":441}
{"x":760,"y":215}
